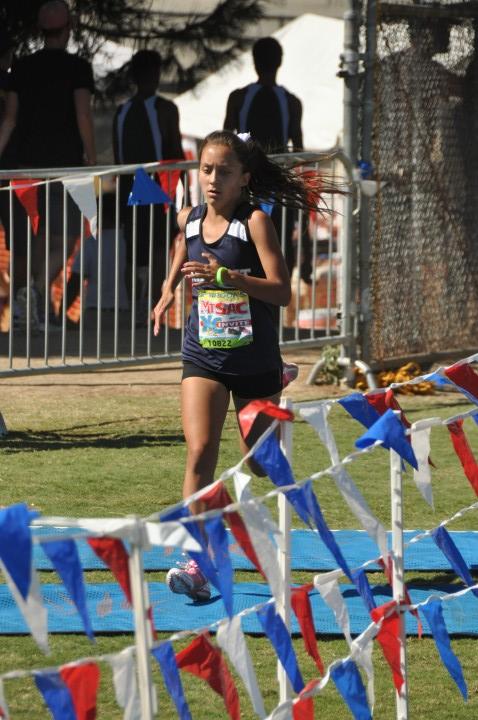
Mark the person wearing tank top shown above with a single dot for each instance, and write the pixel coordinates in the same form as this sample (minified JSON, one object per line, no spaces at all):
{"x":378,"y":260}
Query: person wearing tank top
{"x":234,"y":249}
{"x":231,"y":254}
{"x":273,"y":116}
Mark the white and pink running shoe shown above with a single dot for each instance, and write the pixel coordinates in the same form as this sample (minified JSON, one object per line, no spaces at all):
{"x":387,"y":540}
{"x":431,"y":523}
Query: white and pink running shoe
{"x":289,"y":373}
{"x":187,"y":579}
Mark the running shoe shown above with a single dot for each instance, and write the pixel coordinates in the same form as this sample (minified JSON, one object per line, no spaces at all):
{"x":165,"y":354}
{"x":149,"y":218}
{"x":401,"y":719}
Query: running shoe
{"x":289,"y":373}
{"x":187,"y":579}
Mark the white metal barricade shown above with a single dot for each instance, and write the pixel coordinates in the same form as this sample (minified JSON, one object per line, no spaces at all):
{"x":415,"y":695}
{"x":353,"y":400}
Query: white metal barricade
{"x":118,"y":268}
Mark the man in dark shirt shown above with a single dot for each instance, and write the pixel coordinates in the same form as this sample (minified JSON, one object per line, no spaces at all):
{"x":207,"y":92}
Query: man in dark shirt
{"x":145,"y":129}
{"x":265,"y":109}
{"x":7,"y":160}
{"x":48,"y":107}
{"x":273,"y":117}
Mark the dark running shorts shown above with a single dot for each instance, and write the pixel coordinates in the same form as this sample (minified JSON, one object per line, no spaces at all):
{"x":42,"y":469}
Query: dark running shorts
{"x":244,"y":386}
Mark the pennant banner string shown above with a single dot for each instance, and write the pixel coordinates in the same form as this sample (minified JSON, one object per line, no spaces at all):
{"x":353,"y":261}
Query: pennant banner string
{"x":356,"y":648}
{"x":118,"y":170}
{"x":22,"y":674}
{"x":271,"y":494}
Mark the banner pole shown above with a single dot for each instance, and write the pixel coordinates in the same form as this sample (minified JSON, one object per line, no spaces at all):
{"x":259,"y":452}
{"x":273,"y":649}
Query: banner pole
{"x":285,"y":690}
{"x":142,"y":625}
{"x":401,"y":698}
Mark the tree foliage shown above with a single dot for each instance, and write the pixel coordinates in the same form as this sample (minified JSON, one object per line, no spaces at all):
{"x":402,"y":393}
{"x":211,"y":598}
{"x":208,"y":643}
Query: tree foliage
{"x":189,"y":47}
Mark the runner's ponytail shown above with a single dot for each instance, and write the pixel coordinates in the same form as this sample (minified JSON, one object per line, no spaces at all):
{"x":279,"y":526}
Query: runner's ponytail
{"x":271,"y":181}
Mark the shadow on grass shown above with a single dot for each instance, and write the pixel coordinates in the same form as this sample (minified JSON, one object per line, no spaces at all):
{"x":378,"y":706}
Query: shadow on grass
{"x":47,"y":440}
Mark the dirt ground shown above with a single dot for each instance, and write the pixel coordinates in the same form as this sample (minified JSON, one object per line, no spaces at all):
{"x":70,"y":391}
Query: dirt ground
{"x":164,"y":377}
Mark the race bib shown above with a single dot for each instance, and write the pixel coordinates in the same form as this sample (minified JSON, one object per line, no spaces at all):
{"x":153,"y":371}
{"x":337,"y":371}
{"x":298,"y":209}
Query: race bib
{"x":224,"y":318}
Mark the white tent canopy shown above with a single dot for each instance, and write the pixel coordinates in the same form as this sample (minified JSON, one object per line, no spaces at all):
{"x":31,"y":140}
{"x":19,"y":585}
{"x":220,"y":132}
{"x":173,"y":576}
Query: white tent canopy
{"x":312,"y":45}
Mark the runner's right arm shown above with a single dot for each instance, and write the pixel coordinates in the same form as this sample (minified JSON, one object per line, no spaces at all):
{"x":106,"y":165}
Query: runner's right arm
{"x":175,"y":275}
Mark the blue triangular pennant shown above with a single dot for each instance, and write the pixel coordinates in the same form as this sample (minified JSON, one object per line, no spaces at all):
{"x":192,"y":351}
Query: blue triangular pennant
{"x":202,"y":558}
{"x":444,"y":541}
{"x":164,"y":654}
{"x":360,"y":409}
{"x":219,"y":544}
{"x":194,"y":528}
{"x":349,"y":684}
{"x":66,"y":561}
{"x":273,"y":461}
{"x":16,"y":545}
{"x":267,"y":207}
{"x":146,"y":191}
{"x":434,"y":615}
{"x":360,"y":580}
{"x":324,"y":531}
{"x":391,"y":432}
{"x":56,"y":695}
{"x":278,"y":634}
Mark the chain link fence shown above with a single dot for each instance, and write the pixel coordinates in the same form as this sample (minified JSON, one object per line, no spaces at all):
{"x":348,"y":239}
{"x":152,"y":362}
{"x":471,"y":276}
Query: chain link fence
{"x":423,"y":221}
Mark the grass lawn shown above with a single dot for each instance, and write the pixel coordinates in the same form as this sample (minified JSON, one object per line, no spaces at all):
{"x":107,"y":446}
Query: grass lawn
{"x":100,"y":448}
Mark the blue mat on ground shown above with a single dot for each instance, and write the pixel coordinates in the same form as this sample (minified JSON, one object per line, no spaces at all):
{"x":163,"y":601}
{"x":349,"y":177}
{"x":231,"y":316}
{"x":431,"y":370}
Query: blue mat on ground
{"x":110,"y":614}
{"x":308,"y":552}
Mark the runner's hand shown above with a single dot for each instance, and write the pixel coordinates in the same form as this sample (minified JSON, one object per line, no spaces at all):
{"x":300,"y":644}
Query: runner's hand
{"x":164,"y":303}
{"x":204,"y":271}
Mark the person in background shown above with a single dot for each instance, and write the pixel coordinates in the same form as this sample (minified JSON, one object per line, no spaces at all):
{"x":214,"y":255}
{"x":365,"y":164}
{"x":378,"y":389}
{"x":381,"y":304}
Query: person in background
{"x":145,"y":130}
{"x":7,"y":161}
{"x":48,"y":108}
{"x":273,"y":116}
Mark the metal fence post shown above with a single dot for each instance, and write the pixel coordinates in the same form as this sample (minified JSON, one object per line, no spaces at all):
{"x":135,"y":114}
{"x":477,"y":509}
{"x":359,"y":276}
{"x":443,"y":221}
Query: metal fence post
{"x":285,"y":691}
{"x":143,"y":635}
{"x":398,"y":573}
{"x":365,"y":323}
{"x":350,"y":74}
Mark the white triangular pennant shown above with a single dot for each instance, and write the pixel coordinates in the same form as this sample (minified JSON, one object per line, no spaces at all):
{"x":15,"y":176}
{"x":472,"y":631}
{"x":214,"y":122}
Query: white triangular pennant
{"x":32,"y":609}
{"x":172,"y":534}
{"x":243,"y":494}
{"x":361,"y":652}
{"x":82,"y":190}
{"x":421,"y":448}
{"x":126,"y":687}
{"x":331,"y":595}
{"x":231,"y":639}
{"x":265,"y":550}
{"x":358,"y":505}
{"x":316,"y":416}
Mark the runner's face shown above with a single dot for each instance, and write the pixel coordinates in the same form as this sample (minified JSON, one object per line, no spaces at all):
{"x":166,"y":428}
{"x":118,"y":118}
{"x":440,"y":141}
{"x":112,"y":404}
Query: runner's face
{"x":221,"y":176}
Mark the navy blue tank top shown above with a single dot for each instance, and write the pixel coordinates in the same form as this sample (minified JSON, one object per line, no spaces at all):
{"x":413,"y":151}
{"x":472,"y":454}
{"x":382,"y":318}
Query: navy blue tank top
{"x":236,"y":251}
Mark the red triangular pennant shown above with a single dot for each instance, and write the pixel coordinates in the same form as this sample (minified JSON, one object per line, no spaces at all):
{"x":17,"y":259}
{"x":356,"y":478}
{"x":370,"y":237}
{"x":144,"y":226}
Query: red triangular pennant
{"x":249,"y":413}
{"x":465,"y":377}
{"x":389,"y":575}
{"x":168,"y":179}
{"x":303,"y":709}
{"x":302,"y":608}
{"x":218,"y":497}
{"x":464,"y":452}
{"x":114,"y":555}
{"x":386,"y":401}
{"x":82,"y":681}
{"x":389,"y":639}
{"x":205,"y":661}
{"x":26,"y":191}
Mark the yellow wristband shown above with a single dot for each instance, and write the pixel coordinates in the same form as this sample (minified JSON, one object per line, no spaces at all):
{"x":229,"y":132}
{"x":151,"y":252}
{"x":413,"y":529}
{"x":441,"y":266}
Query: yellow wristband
{"x":219,"y":275}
